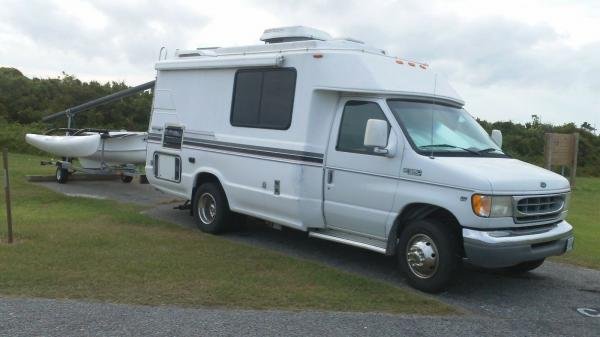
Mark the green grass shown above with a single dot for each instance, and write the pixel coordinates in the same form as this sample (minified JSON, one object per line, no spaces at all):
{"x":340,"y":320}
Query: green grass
{"x":101,"y":250}
{"x":584,"y":215}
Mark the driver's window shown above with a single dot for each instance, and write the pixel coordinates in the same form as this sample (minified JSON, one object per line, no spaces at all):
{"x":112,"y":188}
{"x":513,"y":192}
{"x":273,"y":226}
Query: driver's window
{"x":354,"y":123}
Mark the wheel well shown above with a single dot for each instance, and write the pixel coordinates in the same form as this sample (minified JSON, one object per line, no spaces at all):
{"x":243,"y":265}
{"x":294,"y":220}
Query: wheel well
{"x":205,"y":177}
{"x":201,"y":178}
{"x":420,"y":211}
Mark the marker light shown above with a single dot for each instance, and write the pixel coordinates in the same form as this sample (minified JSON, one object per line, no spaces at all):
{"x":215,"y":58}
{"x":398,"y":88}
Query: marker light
{"x":492,"y":206}
{"x":399,"y":61}
{"x":318,"y":56}
{"x":482,"y":204}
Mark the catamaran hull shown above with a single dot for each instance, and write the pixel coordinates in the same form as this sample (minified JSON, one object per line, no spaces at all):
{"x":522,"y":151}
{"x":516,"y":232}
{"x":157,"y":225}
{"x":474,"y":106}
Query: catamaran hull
{"x":92,"y":149}
{"x":121,"y":148}
{"x":65,"y":146}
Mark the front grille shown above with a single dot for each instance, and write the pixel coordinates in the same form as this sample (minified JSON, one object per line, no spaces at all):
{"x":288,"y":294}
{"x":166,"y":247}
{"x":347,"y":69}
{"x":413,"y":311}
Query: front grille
{"x":539,"y":208}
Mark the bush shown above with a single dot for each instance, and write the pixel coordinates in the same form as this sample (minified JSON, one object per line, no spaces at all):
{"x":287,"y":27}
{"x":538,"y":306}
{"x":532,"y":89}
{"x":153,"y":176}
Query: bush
{"x":13,"y":136}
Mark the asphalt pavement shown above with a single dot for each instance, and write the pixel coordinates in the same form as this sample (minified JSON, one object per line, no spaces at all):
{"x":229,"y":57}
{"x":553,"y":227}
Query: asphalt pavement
{"x":554,"y":300}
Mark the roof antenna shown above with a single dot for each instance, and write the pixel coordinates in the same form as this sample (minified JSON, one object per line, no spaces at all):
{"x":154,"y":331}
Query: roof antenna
{"x":432,"y":106}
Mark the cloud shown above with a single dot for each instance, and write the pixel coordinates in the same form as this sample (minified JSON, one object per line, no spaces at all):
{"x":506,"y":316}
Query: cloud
{"x":504,"y":66}
{"x":508,"y":60}
{"x":106,"y":33}
{"x":481,"y":51}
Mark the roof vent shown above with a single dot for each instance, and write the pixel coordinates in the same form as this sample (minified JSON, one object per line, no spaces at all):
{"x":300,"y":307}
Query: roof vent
{"x":293,"y":33}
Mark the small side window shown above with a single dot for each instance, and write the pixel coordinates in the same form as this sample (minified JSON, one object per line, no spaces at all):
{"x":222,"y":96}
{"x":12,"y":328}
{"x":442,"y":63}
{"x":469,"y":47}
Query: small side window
{"x":354,"y":123}
{"x":172,"y":137}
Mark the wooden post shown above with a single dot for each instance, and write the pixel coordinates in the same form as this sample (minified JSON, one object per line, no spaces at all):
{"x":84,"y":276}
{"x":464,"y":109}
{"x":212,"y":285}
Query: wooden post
{"x":575,"y":153}
{"x":548,"y":151}
{"x":7,"y":193}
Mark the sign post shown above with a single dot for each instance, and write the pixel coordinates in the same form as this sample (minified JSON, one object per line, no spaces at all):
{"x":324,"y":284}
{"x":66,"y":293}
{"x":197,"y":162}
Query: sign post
{"x":7,"y":194}
{"x":561,"y":149}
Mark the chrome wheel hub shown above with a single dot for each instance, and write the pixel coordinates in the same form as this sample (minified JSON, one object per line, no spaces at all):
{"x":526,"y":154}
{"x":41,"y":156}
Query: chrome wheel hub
{"x":422,"y":256}
{"x":207,"y":208}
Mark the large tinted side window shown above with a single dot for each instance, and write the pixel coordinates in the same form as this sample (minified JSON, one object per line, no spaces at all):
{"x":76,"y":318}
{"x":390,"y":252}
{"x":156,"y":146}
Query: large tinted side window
{"x":263,"y":98}
{"x":354,"y":123}
{"x":246,"y":98}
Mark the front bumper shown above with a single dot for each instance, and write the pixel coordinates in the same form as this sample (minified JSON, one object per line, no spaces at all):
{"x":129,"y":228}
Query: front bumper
{"x":504,"y":248}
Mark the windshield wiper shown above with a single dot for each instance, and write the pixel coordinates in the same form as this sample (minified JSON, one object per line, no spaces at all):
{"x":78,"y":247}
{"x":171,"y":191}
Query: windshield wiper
{"x":452,"y":146}
{"x":488,"y":150}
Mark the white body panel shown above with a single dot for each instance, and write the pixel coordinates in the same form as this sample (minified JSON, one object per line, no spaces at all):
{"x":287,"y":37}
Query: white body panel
{"x":360,"y":189}
{"x":366,"y":193}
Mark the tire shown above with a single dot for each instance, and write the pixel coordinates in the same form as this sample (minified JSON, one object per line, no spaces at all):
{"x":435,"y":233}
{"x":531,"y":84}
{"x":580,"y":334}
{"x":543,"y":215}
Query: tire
{"x":213,"y":219}
{"x":439,"y":244}
{"x":126,"y":179}
{"x":524,"y":267}
{"x":62,"y":175}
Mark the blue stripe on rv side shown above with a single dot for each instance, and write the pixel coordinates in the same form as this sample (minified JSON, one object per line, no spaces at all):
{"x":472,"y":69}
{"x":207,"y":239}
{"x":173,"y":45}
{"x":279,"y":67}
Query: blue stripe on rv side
{"x":312,"y":157}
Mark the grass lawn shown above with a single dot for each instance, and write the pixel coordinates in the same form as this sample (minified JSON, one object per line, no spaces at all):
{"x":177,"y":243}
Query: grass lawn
{"x":584,"y":215}
{"x":99,"y":249}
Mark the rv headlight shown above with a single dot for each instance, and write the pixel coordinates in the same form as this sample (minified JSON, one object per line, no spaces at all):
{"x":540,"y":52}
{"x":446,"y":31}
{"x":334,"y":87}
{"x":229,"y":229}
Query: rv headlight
{"x":492,"y":206}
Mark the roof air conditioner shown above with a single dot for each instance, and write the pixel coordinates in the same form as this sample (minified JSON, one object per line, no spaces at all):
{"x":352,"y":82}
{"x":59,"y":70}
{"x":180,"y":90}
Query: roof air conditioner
{"x":293,"y":33}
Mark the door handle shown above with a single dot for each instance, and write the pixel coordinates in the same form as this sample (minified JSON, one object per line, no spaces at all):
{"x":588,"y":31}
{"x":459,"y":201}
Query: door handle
{"x":329,"y":176}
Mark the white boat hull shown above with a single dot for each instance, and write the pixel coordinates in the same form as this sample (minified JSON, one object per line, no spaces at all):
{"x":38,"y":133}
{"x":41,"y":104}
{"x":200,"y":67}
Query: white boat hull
{"x":121,"y":148}
{"x":65,"y":146}
{"x":92,"y":149}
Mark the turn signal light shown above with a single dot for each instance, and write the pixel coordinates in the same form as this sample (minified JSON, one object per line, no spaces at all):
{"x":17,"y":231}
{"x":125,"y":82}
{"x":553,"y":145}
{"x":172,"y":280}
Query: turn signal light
{"x":482,"y":204}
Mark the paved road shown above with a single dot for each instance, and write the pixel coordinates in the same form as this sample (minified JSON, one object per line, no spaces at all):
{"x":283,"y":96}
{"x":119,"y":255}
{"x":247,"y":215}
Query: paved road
{"x":35,"y":317}
{"x":543,"y":302}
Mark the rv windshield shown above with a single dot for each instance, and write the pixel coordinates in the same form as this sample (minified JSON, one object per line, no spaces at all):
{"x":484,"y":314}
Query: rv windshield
{"x":443,"y":130}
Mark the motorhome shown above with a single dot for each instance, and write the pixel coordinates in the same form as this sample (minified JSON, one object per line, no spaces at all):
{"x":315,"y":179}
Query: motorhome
{"x":341,"y":140}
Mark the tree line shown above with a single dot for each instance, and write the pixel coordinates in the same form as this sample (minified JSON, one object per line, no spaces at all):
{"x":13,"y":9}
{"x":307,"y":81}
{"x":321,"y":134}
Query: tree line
{"x":24,"y":101}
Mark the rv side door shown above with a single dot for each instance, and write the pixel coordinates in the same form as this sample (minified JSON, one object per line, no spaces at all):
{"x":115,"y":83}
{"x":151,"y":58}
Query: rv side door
{"x":360,"y":183}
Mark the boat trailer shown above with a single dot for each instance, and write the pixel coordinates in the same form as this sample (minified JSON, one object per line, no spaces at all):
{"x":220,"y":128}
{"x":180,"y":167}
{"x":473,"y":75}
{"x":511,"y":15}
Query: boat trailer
{"x":66,"y":166}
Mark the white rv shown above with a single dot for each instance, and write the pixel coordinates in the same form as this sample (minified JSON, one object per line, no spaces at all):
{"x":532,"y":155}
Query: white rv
{"x":338,"y":139}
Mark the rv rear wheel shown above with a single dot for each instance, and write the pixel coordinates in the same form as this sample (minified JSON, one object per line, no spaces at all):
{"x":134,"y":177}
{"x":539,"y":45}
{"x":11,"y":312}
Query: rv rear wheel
{"x":62,"y":175}
{"x":126,"y":179}
{"x":211,"y":210}
{"x":428,"y":254}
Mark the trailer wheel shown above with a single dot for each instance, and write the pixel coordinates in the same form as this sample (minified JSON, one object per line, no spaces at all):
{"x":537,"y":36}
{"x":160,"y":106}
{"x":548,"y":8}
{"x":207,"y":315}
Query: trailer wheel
{"x":211,"y":209}
{"x":126,"y":179}
{"x":428,"y":254}
{"x":62,"y":175}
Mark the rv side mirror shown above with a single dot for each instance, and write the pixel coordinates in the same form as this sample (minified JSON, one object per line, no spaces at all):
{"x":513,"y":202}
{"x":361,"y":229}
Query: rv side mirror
{"x":497,"y":137}
{"x":376,"y":135}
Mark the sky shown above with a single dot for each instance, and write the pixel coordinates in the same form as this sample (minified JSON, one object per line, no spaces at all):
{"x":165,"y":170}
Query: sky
{"x":507,"y":59}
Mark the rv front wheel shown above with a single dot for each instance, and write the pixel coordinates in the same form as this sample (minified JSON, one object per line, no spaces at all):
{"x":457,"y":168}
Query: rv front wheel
{"x":211,"y":210}
{"x":428,"y":254}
